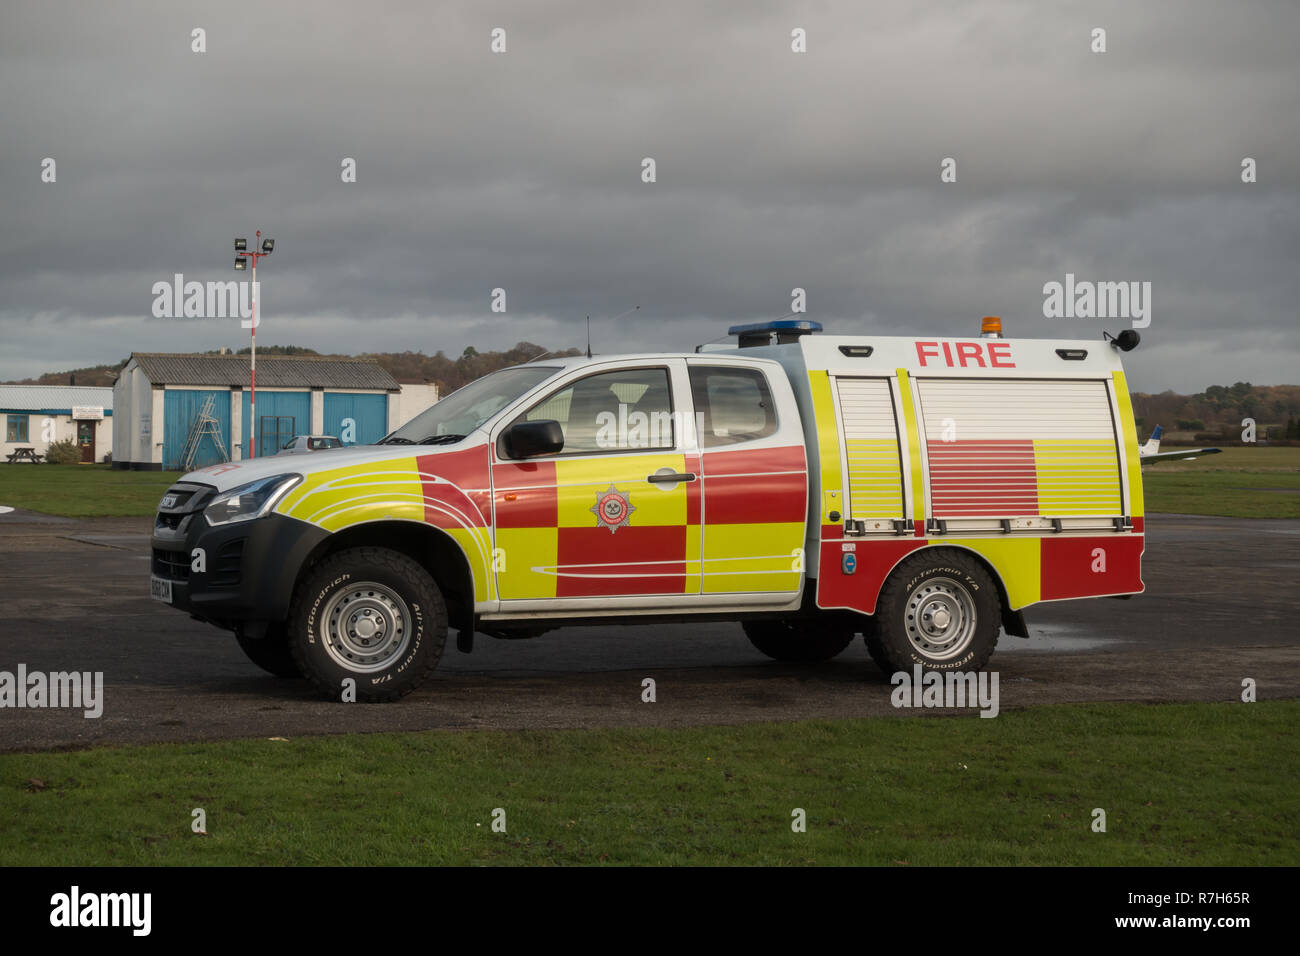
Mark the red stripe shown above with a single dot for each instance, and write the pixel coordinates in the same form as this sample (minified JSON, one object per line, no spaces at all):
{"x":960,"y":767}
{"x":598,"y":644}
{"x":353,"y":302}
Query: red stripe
{"x":860,"y":589}
{"x":983,"y":478}
{"x":467,"y":470}
{"x":525,"y":495}
{"x":757,"y":461}
{"x":735,"y":500}
{"x":1068,"y":563}
{"x":624,"y":552}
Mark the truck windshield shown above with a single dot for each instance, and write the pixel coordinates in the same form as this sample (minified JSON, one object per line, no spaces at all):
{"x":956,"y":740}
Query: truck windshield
{"x":467,"y":408}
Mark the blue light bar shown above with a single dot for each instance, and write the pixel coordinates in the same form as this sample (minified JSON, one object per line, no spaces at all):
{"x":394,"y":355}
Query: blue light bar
{"x":777,"y":325}
{"x":760,"y":333}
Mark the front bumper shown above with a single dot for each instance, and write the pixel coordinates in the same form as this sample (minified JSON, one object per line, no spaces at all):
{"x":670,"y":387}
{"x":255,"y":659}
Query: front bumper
{"x":251,"y":566}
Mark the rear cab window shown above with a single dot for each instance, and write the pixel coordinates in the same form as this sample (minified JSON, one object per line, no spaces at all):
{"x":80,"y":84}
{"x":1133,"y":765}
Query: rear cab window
{"x":732,"y":404}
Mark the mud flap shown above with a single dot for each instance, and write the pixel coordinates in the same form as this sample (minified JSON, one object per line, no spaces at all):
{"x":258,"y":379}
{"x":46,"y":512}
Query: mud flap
{"x":1013,"y":622}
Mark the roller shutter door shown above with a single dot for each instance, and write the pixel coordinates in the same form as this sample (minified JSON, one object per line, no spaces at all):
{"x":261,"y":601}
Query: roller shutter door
{"x":1003,"y":449}
{"x":870,"y":435}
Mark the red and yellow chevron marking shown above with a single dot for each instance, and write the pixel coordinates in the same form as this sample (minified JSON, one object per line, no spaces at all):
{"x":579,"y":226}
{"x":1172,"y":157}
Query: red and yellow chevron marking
{"x":555,"y":546}
{"x":445,"y":490}
{"x":1009,"y":479}
{"x":1004,"y":479}
{"x":739,"y":528}
{"x":1031,"y":569}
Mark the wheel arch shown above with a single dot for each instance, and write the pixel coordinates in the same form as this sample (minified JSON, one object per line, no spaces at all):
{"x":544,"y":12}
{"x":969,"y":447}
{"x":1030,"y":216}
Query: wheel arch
{"x":1004,"y":600}
{"x":432,"y":548}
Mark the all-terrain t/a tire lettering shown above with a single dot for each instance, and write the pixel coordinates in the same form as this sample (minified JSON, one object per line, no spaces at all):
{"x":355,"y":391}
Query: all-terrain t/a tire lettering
{"x":372,"y":615}
{"x":939,"y":609}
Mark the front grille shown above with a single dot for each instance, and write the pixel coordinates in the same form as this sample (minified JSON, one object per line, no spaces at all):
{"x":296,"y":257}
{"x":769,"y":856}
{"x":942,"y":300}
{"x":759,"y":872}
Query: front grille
{"x":170,"y":522}
{"x":172,"y":565}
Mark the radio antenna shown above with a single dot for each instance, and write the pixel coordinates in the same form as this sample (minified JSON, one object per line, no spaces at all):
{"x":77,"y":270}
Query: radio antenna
{"x":619,"y":316}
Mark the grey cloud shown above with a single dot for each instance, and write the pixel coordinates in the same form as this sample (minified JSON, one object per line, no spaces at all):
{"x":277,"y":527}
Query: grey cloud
{"x":775,"y":170}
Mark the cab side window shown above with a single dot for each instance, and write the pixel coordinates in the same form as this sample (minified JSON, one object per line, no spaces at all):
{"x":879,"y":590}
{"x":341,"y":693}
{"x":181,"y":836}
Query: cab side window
{"x":620,"y":411}
{"x":731,"y":404}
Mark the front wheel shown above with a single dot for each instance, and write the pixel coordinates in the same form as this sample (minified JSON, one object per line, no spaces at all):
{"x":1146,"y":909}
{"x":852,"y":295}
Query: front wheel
{"x":270,"y":651}
{"x":372,"y":616}
{"x":802,"y":641}
{"x":939,"y":609}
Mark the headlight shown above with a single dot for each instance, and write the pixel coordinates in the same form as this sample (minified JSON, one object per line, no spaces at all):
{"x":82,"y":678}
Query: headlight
{"x":249,"y":501}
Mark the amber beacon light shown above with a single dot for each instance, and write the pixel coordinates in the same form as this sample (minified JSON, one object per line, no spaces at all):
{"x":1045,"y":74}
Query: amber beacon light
{"x":991,"y":327}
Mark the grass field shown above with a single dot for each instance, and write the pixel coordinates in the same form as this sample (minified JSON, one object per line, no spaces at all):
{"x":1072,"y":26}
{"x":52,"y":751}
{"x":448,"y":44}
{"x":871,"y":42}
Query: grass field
{"x":82,"y":491}
{"x":1242,"y":482}
{"x":1193,"y":784}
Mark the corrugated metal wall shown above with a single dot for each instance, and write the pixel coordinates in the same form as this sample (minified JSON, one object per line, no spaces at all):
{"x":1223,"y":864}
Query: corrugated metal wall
{"x":180,"y":411}
{"x":369,"y":414}
{"x":292,"y":405}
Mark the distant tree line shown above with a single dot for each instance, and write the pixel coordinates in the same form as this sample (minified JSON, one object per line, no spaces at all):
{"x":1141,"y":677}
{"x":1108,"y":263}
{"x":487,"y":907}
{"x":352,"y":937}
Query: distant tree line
{"x":1217,"y":412}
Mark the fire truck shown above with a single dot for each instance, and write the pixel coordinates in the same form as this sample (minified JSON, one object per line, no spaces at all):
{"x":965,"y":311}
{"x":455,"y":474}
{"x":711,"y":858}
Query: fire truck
{"x":811,"y":487}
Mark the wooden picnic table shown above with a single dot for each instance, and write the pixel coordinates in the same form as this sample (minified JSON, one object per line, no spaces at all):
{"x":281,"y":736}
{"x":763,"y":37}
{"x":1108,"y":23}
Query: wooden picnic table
{"x":25,"y":454}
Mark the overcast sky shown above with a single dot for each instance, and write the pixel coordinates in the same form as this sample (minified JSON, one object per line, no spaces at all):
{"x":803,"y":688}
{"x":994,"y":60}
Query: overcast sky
{"x":522,"y":170}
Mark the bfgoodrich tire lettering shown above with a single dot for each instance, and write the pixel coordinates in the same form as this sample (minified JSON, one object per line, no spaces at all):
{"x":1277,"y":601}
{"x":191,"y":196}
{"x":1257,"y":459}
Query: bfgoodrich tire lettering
{"x":939,"y":609}
{"x":372,"y":615}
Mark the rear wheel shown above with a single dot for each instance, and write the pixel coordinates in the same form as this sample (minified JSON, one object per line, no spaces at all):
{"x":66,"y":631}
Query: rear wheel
{"x":939,"y":609}
{"x":798,"y":641}
{"x":370,"y":615}
{"x":871,"y":637}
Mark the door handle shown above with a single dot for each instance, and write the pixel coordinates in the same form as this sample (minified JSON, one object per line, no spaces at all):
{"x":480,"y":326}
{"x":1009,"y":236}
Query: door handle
{"x":669,"y":478}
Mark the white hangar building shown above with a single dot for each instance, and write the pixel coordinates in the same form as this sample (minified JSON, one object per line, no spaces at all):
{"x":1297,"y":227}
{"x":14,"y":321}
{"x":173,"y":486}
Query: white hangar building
{"x":33,"y":416}
{"x":166,"y":403}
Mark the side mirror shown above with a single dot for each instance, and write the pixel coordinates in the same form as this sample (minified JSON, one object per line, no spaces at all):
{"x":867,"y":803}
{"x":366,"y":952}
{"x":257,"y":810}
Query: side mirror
{"x":529,"y":439}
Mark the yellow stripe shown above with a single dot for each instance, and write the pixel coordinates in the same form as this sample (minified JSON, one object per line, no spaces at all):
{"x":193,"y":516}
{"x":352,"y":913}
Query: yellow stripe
{"x":581,"y":483}
{"x":342,"y":497}
{"x":875,"y":485}
{"x":752,"y":557}
{"x":913,"y":444}
{"x":828,"y":445}
{"x":1076,"y":477}
{"x":524,"y":549}
{"x":1129,"y":439}
{"x":1017,"y":561}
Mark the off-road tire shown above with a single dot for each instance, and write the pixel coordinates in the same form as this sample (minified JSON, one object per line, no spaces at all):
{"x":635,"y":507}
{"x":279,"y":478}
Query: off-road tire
{"x":374,"y":597}
{"x":931,"y":581}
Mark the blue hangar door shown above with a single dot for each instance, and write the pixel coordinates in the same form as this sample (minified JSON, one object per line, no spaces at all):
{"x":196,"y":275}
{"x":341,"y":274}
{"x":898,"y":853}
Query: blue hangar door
{"x":280,"y":416}
{"x":367,"y":414}
{"x":181,"y":411}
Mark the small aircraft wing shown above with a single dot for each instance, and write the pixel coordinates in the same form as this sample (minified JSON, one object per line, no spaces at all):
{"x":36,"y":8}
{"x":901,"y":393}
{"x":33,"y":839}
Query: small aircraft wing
{"x":1182,"y":453}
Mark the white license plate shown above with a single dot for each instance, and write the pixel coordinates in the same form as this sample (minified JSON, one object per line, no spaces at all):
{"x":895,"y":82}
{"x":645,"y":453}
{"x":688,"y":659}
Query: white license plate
{"x":160,"y":589}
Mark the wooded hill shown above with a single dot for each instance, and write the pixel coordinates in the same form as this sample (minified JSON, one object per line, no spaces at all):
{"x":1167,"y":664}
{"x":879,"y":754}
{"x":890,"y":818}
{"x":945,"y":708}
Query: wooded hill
{"x":450,"y":374}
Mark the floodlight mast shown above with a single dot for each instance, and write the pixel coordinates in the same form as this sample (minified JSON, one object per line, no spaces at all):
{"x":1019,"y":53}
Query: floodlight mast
{"x":241,"y":247}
